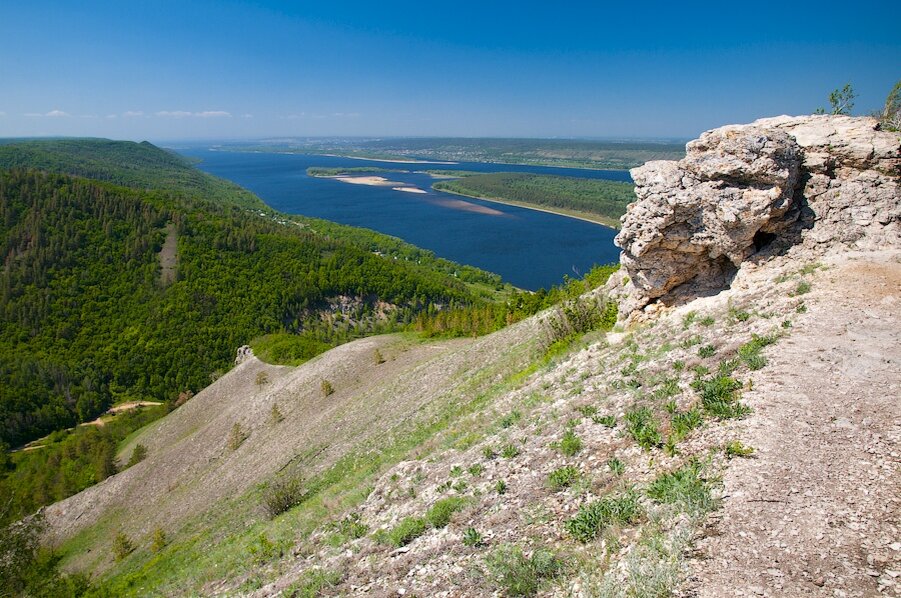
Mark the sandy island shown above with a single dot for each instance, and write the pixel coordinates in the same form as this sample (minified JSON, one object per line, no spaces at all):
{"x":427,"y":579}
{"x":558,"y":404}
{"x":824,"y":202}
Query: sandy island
{"x":377,"y":181}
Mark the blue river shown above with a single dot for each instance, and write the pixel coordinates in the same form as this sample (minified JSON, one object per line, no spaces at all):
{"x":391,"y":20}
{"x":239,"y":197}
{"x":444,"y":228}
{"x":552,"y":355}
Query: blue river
{"x":528,"y":248}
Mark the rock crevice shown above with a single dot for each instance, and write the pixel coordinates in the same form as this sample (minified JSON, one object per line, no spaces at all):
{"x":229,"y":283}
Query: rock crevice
{"x":818,"y":182}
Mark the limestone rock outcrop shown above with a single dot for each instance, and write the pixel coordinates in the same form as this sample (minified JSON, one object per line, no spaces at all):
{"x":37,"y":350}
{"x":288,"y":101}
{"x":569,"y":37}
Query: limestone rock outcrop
{"x":818,"y":182}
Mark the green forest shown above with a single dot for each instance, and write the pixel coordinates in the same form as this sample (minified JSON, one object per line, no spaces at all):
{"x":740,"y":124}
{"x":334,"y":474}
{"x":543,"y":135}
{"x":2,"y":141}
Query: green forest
{"x":594,"y":199}
{"x":87,"y":321}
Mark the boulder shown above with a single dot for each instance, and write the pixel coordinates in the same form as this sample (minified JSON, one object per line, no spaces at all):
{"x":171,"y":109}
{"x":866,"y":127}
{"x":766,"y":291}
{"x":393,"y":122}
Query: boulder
{"x":744,"y":190}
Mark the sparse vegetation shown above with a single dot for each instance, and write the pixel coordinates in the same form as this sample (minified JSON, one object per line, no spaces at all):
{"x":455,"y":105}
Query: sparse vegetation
{"x":326,"y":388}
{"x":158,"y":540}
{"x":737,"y":449}
{"x":138,"y":454}
{"x":122,"y":546}
{"x":594,"y":518}
{"x":236,"y":437}
{"x":518,"y":575}
{"x":616,"y":466}
{"x":563,"y":477}
{"x":608,"y":421}
{"x":281,"y":495}
{"x":377,"y":357}
{"x":683,"y":487}
{"x":706,"y":351}
{"x":642,"y":427}
{"x":275,"y":415}
{"x":509,"y":451}
{"x":719,"y":396}
{"x":472,"y":538}
{"x":570,"y":443}
{"x":407,"y":530}
{"x":750,"y":352}
{"x":440,"y":513}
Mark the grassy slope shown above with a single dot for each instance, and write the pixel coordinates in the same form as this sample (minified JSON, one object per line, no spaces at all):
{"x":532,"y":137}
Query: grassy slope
{"x":206,"y":497}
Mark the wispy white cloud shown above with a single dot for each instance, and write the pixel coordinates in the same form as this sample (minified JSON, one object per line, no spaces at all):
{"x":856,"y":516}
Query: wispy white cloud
{"x":174,"y":113}
{"x":213,"y":114}
{"x":51,"y":114}
{"x":247,"y":116}
{"x":132,"y":113}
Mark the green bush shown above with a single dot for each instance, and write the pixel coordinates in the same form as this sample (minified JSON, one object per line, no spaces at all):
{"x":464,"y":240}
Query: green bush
{"x":684,"y":487}
{"x":570,"y":443}
{"x":138,"y":454}
{"x":407,"y":530}
{"x":122,"y":546}
{"x":563,"y":477}
{"x":593,"y":518}
{"x":472,"y":538}
{"x":616,"y":466}
{"x":440,"y":513}
{"x":719,"y":397}
{"x":518,"y":575}
{"x":642,"y":426}
{"x":281,"y":495}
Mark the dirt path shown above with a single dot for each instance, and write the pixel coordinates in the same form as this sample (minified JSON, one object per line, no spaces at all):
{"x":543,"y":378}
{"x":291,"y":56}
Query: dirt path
{"x":816,"y":513}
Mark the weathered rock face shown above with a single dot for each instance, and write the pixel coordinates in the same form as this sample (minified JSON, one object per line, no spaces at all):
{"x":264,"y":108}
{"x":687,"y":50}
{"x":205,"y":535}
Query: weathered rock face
{"x":818,"y":181}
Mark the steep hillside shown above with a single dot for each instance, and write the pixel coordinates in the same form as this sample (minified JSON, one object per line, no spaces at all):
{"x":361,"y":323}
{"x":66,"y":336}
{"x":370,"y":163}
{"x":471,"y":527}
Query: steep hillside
{"x":113,"y":294}
{"x":730,"y":437}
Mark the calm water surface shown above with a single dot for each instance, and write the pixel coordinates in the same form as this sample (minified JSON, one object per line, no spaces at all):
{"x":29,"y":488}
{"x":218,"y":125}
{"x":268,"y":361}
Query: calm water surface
{"x":528,"y":248}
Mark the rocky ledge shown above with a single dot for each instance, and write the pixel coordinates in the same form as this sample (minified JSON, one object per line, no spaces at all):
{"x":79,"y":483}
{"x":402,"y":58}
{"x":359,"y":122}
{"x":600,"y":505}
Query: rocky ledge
{"x":819,"y":183}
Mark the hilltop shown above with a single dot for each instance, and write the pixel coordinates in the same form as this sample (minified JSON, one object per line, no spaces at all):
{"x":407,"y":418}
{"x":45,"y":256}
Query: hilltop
{"x":736,"y":432}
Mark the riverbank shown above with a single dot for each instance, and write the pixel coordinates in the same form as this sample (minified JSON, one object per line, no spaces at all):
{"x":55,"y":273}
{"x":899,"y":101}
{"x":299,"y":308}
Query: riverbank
{"x":576,"y":214}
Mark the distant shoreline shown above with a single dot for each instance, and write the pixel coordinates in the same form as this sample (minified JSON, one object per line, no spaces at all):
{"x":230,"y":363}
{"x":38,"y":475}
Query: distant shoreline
{"x":389,"y":160}
{"x":585,"y":216}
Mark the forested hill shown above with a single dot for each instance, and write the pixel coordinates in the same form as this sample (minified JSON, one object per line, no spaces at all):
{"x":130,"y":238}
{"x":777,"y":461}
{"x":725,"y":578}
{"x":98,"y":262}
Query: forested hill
{"x":88,"y":320}
{"x":137,"y":165}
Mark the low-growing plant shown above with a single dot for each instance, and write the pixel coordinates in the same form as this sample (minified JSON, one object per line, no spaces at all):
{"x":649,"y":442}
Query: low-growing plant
{"x":684,"y":422}
{"x":608,"y":421}
{"x":594,"y":518}
{"x":350,"y":527}
{"x":738,"y":315}
{"x":689,"y":318}
{"x":158,"y":540}
{"x":377,"y":357}
{"x":236,"y":437}
{"x":275,"y":415}
{"x":518,"y":575}
{"x":801,"y":309}
{"x":326,"y":388}
{"x":690,"y":342}
{"x":281,"y":495}
{"x":719,"y":396}
{"x":407,"y":530}
{"x":472,"y":538}
{"x":510,"y":419}
{"x":489,"y":453}
{"x":509,"y":451}
{"x":683,"y":487}
{"x":500,"y":487}
{"x":671,"y":407}
{"x":668,"y":388}
{"x":570,"y":443}
{"x":563,"y":477}
{"x":750,"y":352}
{"x":678,"y":365}
{"x":476,"y":470}
{"x":707,"y":351}
{"x":587,"y":410}
{"x":122,"y":546}
{"x":642,"y":427}
{"x":737,"y":449}
{"x":138,"y":454}
{"x":456,"y":471}
{"x":440,"y":513}
{"x":616,"y":466}
{"x":706,"y":321}
{"x":312,"y":583}
{"x":459,"y":486}
{"x":802,"y":288}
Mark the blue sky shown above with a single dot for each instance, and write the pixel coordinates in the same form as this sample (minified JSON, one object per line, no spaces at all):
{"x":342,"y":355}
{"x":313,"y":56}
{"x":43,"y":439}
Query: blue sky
{"x":164,"y":70}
